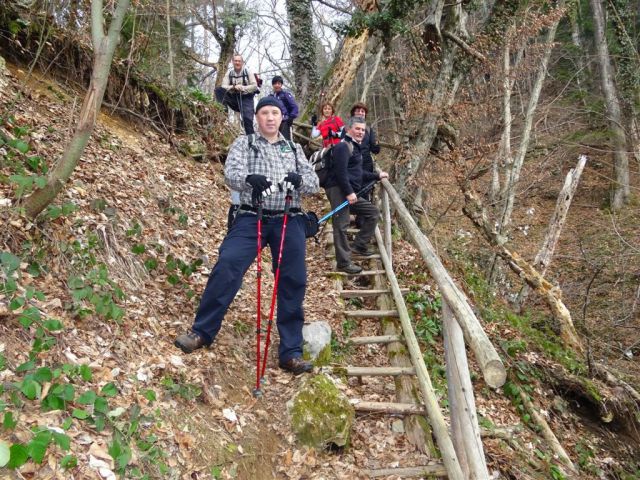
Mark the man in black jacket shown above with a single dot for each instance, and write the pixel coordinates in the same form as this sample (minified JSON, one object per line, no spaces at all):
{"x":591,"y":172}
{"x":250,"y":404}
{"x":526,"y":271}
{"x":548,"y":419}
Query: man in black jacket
{"x":369,"y":143}
{"x":346,"y":177}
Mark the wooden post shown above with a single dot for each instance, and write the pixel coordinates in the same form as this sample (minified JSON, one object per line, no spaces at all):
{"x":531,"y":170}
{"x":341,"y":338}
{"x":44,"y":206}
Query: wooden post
{"x":429,"y":398}
{"x":490,"y":363}
{"x":386,"y":215}
{"x":462,"y":405}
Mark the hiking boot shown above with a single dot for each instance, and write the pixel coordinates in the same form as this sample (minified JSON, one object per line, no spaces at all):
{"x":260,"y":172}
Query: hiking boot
{"x":189,"y":342}
{"x":365,"y":251}
{"x":350,"y":268}
{"x":296,"y":366}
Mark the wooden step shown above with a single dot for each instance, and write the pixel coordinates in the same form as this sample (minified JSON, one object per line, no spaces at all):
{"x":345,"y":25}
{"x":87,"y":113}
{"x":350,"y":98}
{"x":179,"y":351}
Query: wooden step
{"x":389,"y":407}
{"x":434,"y":470}
{"x":362,"y":273}
{"x":331,"y":256}
{"x":349,"y":230}
{"x":371,"y":313}
{"x":367,"y":293}
{"x":374,"y":340}
{"x":378,"y":371}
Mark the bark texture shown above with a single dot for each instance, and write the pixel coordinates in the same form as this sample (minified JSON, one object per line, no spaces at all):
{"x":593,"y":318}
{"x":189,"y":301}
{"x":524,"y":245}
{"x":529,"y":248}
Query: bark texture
{"x":303,"y":47}
{"x":620,"y":188}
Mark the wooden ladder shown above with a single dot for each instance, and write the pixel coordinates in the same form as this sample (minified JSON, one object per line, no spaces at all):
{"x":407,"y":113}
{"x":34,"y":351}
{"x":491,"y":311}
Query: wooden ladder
{"x":399,"y":367}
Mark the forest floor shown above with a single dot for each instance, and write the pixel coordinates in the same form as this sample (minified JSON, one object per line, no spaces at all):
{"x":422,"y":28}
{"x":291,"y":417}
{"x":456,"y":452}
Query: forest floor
{"x":155,"y":220}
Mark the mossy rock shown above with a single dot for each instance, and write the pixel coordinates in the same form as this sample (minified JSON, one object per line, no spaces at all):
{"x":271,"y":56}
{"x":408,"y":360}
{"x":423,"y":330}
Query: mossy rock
{"x":321,"y":415}
{"x":193,"y":148}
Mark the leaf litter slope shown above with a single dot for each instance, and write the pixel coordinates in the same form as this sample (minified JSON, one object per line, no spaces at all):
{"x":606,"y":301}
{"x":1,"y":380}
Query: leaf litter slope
{"x":131,"y":189}
{"x":208,"y":423}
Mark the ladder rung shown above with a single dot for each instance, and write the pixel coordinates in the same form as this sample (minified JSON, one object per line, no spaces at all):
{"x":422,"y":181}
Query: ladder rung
{"x":330,"y":256}
{"x":367,"y":293}
{"x":362,"y":273}
{"x":374,"y":340}
{"x":349,"y":230}
{"x":371,"y":313}
{"x":434,"y":470}
{"x":390,"y":407}
{"x":379,"y":371}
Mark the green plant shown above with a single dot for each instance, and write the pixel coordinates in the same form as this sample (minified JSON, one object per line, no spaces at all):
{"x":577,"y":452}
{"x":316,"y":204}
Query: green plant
{"x":425,"y":309}
{"x":187,"y":391}
{"x":92,"y":289}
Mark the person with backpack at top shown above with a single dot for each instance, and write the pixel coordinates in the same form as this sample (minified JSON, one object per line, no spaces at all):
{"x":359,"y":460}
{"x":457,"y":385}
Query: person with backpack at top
{"x":330,"y":126}
{"x":346,"y":176}
{"x":237,"y":91}
{"x":255,"y":165}
{"x":288,"y":102}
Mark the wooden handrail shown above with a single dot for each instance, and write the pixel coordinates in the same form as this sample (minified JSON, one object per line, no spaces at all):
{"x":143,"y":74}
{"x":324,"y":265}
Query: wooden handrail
{"x":490,"y":363}
{"x":440,"y":429}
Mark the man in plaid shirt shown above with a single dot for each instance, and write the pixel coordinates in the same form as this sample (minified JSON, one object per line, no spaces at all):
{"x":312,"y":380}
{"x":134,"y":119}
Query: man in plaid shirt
{"x":255,"y":169}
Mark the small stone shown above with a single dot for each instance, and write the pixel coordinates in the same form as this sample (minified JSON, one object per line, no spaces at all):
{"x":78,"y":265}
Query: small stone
{"x":397,"y":426}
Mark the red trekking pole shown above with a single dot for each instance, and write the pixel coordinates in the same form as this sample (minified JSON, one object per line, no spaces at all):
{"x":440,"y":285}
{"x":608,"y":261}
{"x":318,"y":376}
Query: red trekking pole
{"x":257,"y":392}
{"x":287,"y":204}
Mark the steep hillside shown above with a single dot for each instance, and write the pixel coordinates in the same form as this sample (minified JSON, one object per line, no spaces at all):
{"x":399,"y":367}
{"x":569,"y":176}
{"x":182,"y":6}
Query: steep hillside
{"x":121,"y":261}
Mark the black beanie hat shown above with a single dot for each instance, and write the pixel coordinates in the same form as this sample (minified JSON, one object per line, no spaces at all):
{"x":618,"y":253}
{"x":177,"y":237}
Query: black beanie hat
{"x":277,"y":79}
{"x":269,"y":101}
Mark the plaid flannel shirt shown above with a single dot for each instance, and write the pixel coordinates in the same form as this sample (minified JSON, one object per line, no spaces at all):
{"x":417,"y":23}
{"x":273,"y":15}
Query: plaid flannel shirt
{"x":274,"y":161}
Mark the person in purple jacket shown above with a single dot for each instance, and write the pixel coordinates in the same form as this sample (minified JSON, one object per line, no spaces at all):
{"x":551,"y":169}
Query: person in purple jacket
{"x":290,"y":111}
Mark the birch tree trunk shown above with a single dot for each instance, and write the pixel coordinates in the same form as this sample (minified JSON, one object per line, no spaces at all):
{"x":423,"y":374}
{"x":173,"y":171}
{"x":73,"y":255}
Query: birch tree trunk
{"x":620,"y":188}
{"x":104,"y":47}
{"x":512,"y":174}
{"x":303,"y":47}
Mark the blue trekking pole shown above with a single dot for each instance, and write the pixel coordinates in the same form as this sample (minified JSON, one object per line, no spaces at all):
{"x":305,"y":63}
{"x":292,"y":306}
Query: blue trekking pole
{"x":345,"y":203}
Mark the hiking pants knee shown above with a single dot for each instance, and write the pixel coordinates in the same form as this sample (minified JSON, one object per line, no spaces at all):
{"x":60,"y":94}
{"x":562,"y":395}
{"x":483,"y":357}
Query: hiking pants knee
{"x":236,"y":254}
{"x":363,"y":209}
{"x":369,"y":214}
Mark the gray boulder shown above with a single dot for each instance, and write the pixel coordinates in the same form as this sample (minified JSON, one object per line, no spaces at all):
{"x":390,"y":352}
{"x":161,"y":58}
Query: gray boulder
{"x":317,"y":342}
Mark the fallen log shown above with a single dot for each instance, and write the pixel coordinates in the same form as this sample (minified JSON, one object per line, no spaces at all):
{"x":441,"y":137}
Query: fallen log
{"x":551,"y":294}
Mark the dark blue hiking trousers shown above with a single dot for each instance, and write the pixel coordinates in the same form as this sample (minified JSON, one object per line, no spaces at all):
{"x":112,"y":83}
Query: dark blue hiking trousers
{"x":236,"y":254}
{"x":237,"y":102}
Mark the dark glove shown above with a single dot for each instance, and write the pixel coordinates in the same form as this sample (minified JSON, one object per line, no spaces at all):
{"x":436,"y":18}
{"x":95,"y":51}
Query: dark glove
{"x":314,"y":120}
{"x":261,"y":186}
{"x":291,"y":181}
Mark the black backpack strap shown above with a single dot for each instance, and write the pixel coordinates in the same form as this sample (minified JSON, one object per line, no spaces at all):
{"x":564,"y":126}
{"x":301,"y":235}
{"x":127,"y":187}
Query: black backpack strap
{"x":245,"y":77}
{"x":251,"y":139}
{"x":292,"y":145}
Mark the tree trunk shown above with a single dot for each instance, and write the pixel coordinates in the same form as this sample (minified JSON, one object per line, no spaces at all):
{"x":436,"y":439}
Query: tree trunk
{"x":104,"y":47}
{"x":543,"y":258}
{"x":512,"y":174}
{"x":303,"y":47}
{"x":620,"y":188}
{"x":172,"y":79}
{"x":227,"y":48}
{"x":369,"y":78}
